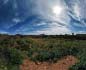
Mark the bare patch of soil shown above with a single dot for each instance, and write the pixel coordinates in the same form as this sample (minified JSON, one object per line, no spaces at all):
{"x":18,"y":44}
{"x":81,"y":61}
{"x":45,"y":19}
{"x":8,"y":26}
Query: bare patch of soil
{"x":62,"y":64}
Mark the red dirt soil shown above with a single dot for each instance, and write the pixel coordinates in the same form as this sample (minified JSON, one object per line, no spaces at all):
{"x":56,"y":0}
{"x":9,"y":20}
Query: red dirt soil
{"x":62,"y":64}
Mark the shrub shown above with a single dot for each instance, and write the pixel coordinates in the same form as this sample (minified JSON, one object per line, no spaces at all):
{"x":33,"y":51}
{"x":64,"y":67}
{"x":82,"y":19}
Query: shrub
{"x":14,"y":56}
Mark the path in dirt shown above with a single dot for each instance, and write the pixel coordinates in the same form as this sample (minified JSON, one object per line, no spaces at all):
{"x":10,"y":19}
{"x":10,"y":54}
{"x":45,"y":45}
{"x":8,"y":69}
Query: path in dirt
{"x":62,"y":64}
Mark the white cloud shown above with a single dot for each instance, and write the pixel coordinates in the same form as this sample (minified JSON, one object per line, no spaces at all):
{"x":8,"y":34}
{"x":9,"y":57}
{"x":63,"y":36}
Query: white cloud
{"x":6,"y":1}
{"x":81,"y":32}
{"x":16,"y":20}
{"x":3,"y":32}
{"x":44,"y":8}
{"x":40,"y":24}
{"x":53,"y":31}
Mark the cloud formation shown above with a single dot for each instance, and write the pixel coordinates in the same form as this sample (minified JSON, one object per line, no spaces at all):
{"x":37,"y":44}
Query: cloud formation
{"x":37,"y":17}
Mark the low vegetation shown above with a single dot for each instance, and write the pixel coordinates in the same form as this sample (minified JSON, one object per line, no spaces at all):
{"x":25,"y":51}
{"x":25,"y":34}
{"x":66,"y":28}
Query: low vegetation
{"x":13,"y":49}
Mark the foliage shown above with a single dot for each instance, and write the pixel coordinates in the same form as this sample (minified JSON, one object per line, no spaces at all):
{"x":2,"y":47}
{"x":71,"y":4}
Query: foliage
{"x":10,"y":58}
{"x":13,"y":49}
{"x":81,"y":65}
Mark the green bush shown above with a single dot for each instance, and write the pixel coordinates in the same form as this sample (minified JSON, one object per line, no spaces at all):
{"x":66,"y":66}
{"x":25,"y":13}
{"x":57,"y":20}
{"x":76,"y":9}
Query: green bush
{"x":10,"y":58}
{"x":40,"y":49}
{"x":82,"y":63}
{"x":14,"y":56}
{"x":51,"y":54}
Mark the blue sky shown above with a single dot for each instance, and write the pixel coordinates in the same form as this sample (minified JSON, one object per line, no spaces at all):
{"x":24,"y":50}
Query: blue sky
{"x":42,"y":16}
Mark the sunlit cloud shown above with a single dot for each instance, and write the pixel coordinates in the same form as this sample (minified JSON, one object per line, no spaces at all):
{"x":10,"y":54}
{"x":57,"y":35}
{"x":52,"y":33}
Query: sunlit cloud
{"x":43,"y":16}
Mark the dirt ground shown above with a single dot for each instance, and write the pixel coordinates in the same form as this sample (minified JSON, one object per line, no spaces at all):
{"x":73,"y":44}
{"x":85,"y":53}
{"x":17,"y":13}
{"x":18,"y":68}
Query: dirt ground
{"x":62,"y":64}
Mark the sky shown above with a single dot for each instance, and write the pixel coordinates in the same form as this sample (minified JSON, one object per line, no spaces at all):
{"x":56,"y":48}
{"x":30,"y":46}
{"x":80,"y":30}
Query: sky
{"x":49,"y":17}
